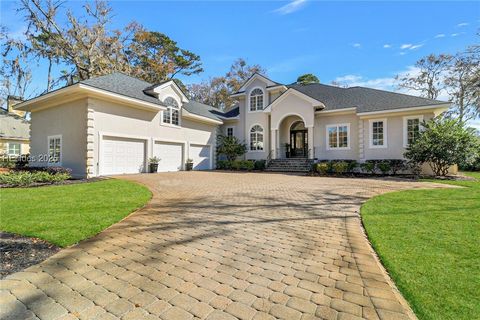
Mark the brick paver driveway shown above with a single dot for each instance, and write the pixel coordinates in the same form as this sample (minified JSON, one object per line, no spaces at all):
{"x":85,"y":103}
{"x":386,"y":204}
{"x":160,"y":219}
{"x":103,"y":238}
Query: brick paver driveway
{"x":220,"y":246}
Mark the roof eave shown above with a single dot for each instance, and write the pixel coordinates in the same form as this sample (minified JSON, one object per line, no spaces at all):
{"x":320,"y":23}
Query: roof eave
{"x":83,"y":90}
{"x":440,"y":107}
{"x":193,"y":116}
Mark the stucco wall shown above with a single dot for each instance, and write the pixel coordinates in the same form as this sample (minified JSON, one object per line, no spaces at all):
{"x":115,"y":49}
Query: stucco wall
{"x":251,"y":118}
{"x":119,"y":120}
{"x":67,"y":120}
{"x":320,"y":137}
{"x":395,"y":137}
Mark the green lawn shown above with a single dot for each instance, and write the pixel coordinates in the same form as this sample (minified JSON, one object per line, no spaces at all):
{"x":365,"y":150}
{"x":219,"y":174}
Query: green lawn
{"x":64,"y":215}
{"x":429,"y":242}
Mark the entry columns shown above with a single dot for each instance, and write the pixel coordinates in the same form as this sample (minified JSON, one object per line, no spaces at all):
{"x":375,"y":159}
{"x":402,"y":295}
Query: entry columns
{"x":311,"y":151}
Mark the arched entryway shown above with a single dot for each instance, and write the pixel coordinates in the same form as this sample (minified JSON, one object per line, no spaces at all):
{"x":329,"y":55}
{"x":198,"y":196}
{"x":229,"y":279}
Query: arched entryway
{"x":298,"y":140}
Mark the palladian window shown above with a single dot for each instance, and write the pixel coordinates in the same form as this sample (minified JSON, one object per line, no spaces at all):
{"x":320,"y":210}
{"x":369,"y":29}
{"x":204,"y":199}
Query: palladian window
{"x":172,"y":114}
{"x":256,"y":138}
{"x":256,"y":100}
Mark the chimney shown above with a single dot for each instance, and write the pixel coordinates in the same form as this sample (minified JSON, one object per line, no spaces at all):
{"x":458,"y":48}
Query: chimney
{"x":11,"y":102}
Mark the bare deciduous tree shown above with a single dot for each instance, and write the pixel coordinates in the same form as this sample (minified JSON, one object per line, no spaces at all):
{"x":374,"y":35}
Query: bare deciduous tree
{"x":430,"y":79}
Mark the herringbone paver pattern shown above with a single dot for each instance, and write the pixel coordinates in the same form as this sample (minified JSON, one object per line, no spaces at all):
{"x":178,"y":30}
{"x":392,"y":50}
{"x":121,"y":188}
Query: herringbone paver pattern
{"x":214,"y":245}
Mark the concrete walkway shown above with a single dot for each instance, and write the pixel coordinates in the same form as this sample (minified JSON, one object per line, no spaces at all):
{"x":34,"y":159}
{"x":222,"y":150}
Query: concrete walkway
{"x":221,"y":246}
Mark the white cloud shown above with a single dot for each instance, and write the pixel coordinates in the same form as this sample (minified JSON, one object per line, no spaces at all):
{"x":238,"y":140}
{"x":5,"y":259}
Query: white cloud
{"x":403,"y":53}
{"x":440,"y":35}
{"x":290,"y":7}
{"x":416,"y":46}
{"x":386,"y":46}
{"x":457,"y":34}
{"x":463,"y":24}
{"x":356,"y":45}
{"x":406,"y":46}
{"x":388,"y":83}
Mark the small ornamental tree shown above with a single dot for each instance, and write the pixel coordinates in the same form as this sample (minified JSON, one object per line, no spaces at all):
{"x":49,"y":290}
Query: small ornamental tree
{"x":230,"y":147}
{"x":442,"y":143}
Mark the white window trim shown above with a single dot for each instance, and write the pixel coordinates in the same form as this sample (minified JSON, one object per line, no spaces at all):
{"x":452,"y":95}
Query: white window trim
{"x":13,"y":154}
{"x":250,"y":138}
{"x":233,"y":131}
{"x":328,"y":126}
{"x":264,"y":100}
{"x":59,"y":163}
{"x":370,"y":134}
{"x":405,"y":128}
{"x":166,"y":124}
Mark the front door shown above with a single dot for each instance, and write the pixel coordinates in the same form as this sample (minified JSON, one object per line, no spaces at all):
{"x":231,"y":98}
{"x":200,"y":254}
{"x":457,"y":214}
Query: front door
{"x":298,"y":143}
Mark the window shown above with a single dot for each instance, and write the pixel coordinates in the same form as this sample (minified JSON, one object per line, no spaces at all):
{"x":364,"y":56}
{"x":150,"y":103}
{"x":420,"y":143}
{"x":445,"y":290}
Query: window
{"x":172,"y":114}
{"x":230,"y":132}
{"x":378,"y":133}
{"x":256,"y":138}
{"x":55,"y":150}
{"x":411,"y":129}
{"x":13,"y":149}
{"x":256,"y":100}
{"x":338,"y":136}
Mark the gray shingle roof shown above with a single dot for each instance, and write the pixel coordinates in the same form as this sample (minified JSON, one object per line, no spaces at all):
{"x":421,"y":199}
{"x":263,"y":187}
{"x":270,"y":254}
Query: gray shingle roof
{"x":202,"y":110}
{"x":132,"y":87}
{"x":13,"y":126}
{"x":364,"y":99}
{"x":123,"y":84}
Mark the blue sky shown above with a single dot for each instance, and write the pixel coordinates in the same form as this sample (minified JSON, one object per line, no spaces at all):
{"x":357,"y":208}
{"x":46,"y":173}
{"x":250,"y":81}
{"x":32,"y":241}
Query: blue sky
{"x":361,"y":43}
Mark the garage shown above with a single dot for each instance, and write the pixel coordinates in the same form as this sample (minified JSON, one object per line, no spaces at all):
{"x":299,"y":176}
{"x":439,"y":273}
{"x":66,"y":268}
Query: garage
{"x":122,"y":155}
{"x":201,"y":156}
{"x":170,"y":154}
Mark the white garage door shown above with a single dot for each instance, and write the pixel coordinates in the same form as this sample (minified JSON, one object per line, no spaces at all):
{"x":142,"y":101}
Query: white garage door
{"x":201,"y":157}
{"x":122,"y":155}
{"x":170,"y":154}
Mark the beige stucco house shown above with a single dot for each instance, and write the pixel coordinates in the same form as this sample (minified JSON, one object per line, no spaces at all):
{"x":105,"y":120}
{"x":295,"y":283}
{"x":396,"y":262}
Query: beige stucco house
{"x":325,"y":122}
{"x":113,"y":124}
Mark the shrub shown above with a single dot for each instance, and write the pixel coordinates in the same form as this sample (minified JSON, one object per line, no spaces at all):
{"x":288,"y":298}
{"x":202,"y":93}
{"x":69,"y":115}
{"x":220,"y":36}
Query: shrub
{"x":442,"y":143}
{"x":248,"y":165}
{"x":230,"y":147}
{"x":340,"y":167}
{"x":22,"y":161}
{"x":352,"y":165}
{"x":368,"y":166}
{"x":384,"y":166}
{"x":28,"y":178}
{"x":322,"y":168}
{"x":236,"y":164}
{"x":397,"y":165}
{"x":7,"y":162}
{"x":260,"y":165}
{"x":223,"y":165}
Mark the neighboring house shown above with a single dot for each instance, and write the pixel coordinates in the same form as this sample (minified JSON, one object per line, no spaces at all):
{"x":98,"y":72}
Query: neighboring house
{"x":114,"y":123}
{"x":325,"y":122}
{"x":14,"y":131}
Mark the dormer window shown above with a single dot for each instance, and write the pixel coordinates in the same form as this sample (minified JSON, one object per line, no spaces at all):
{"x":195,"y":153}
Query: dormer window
{"x":172,"y":114}
{"x":256,"y":100}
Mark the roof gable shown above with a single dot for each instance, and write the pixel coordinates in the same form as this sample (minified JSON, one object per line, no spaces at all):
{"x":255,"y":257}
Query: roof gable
{"x":257,"y":76}
{"x":157,"y":89}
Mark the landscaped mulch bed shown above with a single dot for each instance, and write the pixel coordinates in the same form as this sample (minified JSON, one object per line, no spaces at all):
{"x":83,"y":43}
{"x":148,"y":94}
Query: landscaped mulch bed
{"x":18,"y":252}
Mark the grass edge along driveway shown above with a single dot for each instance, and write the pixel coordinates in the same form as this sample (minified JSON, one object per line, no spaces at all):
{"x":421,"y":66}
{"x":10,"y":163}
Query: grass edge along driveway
{"x":63,"y":215}
{"x":429,"y":242}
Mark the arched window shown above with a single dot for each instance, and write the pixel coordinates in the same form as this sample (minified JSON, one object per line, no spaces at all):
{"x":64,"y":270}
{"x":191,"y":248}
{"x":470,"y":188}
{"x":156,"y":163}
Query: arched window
{"x":171,"y":115}
{"x":256,"y":100}
{"x":256,"y":138}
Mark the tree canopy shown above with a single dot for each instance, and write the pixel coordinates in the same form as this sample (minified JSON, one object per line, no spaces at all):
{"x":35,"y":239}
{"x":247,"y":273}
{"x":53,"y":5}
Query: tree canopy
{"x":85,"y":45}
{"x":307,"y":78}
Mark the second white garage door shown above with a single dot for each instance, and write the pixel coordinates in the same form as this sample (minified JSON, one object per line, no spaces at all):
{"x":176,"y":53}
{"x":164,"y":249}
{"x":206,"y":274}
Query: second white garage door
{"x":170,"y":154}
{"x":121,"y":155}
{"x":200,"y":154}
